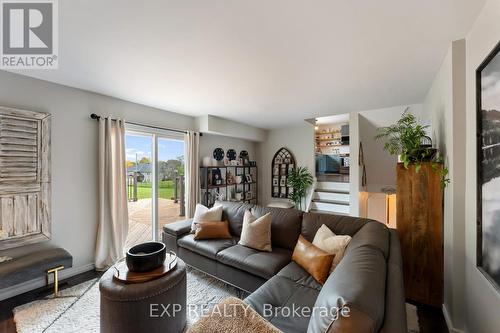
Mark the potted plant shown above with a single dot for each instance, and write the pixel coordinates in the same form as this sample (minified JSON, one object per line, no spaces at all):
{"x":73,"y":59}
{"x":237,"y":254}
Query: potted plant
{"x":300,"y":179}
{"x":408,"y":139}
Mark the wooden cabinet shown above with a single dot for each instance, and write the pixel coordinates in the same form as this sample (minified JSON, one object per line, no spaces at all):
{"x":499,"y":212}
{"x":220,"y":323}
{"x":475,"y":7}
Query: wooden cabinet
{"x":420,"y":230}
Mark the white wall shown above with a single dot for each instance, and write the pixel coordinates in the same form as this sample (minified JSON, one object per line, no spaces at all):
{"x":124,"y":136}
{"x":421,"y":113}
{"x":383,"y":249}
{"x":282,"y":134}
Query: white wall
{"x":482,"y":299}
{"x":74,"y":151}
{"x":444,"y":107}
{"x":299,"y":139}
{"x":208,"y":142}
{"x":380,"y":165}
{"x":220,"y":126}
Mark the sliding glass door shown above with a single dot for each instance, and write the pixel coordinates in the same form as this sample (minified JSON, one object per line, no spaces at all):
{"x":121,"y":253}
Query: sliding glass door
{"x":155,"y":181}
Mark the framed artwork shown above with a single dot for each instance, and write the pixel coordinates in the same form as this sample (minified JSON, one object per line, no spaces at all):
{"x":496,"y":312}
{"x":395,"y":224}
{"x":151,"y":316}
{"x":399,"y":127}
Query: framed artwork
{"x":275,"y":182}
{"x":488,"y":166}
{"x":283,"y":181}
{"x":248,"y":178}
{"x":276,"y":171}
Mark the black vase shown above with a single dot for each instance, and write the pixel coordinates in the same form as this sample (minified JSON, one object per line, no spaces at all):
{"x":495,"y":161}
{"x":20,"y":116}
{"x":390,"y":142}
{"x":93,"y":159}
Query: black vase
{"x":146,"y":257}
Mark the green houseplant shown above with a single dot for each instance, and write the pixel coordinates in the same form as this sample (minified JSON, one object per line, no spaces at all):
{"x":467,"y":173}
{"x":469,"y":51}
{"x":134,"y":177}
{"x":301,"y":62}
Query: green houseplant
{"x":409,"y":139}
{"x":300,"y":179}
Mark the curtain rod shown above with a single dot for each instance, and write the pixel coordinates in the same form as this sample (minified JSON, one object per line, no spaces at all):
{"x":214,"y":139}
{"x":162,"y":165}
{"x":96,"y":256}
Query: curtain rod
{"x":97,"y":117}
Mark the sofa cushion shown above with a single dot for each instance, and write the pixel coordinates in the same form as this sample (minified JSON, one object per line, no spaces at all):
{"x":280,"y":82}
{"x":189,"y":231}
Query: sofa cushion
{"x":263,"y":264}
{"x":373,"y":234}
{"x":339,"y":224}
{"x":314,"y":260}
{"x":256,"y":232}
{"x":297,"y":274}
{"x":360,"y":281}
{"x":285,"y":225}
{"x":233,"y":212}
{"x":277,"y":297}
{"x":206,"y":247}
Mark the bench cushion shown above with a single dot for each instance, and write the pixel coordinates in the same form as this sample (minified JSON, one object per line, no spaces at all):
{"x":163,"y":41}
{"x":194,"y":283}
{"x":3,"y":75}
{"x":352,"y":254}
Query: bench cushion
{"x":31,"y":265}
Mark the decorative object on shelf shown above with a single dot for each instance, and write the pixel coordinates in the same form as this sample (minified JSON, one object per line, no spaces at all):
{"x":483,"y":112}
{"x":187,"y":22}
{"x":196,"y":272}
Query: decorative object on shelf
{"x":248,"y":195}
{"x":234,"y":163}
{"x":207,"y":161}
{"x":229,"y":178}
{"x":216,"y":177}
{"x":280,"y":167}
{"x":225,"y":182}
{"x":300,"y":180}
{"x":244,"y":154}
{"x":275,"y":182}
{"x":219,"y":154}
{"x":405,"y":138}
{"x":253,"y":163}
{"x":231,"y":154}
{"x":227,"y":162}
{"x":488,"y":171}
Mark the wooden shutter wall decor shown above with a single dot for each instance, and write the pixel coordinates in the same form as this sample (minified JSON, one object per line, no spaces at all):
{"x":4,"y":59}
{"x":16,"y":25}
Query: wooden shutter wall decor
{"x":25,"y":179}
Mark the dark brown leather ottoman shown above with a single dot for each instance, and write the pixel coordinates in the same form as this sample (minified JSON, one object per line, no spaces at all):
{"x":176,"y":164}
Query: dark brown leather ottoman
{"x":155,"y":306}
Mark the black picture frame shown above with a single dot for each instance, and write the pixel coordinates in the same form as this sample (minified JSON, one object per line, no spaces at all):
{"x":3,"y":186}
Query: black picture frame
{"x":488,"y":166}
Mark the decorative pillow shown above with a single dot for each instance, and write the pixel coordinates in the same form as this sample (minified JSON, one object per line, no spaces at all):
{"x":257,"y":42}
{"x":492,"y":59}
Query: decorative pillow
{"x":314,"y":260}
{"x":256,"y":232}
{"x":211,"y":230}
{"x":203,"y":214}
{"x":327,"y":241}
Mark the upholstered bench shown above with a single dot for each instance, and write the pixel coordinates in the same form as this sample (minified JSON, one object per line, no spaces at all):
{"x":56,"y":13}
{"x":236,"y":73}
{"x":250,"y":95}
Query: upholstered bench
{"x":32,"y":262}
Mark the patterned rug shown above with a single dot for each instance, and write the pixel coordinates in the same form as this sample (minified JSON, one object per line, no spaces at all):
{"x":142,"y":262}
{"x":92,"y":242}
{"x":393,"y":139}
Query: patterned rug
{"x":77,"y":308}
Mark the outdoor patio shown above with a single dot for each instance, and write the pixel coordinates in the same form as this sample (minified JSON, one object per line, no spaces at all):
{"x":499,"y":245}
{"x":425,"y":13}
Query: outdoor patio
{"x":140,"y":217}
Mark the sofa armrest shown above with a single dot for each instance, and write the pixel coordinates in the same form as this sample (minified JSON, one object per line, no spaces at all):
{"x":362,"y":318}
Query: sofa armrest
{"x":178,"y":228}
{"x":173,"y":231}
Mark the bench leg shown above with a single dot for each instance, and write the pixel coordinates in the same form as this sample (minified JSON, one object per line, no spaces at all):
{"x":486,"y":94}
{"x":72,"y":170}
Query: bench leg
{"x":55,"y":271}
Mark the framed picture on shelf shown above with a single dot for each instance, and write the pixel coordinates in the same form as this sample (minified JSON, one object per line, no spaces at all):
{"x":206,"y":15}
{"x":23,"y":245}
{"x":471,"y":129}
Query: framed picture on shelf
{"x":283,"y":181}
{"x":290,"y":168}
{"x":276,"y":191}
{"x":276,"y":170}
{"x":283,"y":169}
{"x":248,"y":178}
{"x":278,"y":160}
{"x":248,"y":195}
{"x":488,"y":167}
{"x":216,"y":177}
{"x":283,"y":193}
{"x":287,"y":160}
{"x":275,"y":182}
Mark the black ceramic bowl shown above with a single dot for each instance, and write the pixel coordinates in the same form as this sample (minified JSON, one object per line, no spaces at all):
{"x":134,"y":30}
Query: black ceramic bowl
{"x":146,"y":257}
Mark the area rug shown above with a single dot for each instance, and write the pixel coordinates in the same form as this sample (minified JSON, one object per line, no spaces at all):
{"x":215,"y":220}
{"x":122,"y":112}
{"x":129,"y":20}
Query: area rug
{"x":77,"y":308}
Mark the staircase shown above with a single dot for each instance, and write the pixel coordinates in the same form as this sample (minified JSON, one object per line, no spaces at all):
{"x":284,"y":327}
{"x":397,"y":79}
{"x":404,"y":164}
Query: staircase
{"x":331,"y":198}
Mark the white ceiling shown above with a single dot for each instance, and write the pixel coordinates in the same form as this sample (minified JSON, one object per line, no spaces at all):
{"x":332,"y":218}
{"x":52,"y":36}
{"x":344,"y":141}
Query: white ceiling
{"x":265,"y":63}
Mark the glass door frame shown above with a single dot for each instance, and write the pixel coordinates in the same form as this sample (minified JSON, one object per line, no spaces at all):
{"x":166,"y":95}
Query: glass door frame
{"x":155,"y":133}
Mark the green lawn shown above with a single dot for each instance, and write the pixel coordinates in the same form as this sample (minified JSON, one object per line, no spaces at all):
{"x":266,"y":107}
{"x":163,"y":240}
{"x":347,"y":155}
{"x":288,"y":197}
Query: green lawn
{"x":144,"y":190}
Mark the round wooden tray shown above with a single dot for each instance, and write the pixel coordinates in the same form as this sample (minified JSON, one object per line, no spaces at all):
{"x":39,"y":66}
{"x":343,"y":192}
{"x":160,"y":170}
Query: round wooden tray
{"x":122,"y":274}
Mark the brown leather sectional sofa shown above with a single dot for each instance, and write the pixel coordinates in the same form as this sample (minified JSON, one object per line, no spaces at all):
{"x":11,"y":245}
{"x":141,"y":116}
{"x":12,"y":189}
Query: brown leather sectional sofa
{"x":368,"y":280}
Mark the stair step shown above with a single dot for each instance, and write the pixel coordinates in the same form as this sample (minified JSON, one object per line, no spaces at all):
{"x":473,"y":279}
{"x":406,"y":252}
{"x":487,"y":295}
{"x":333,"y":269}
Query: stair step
{"x":331,"y":191}
{"x":327,"y":212}
{"x":334,"y":202}
{"x":333,"y":186}
{"x":331,"y":207}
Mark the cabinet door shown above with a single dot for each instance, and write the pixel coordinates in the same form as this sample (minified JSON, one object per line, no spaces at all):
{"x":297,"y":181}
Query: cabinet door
{"x":25,"y":182}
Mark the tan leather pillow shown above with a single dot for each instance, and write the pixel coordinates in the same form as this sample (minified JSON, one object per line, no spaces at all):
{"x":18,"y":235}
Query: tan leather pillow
{"x":314,"y":260}
{"x":211,"y":230}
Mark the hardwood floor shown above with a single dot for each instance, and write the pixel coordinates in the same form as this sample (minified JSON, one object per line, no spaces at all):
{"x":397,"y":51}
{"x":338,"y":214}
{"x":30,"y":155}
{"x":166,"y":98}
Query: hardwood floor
{"x":6,"y":317}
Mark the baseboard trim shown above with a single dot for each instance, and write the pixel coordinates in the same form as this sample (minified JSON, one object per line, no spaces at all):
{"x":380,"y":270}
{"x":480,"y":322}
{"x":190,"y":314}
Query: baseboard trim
{"x":41,"y":282}
{"x":447,"y":319}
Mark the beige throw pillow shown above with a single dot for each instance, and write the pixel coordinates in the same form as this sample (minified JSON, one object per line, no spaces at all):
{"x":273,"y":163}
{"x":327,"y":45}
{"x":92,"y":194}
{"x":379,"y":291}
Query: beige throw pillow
{"x":327,"y":241}
{"x":204,"y":214}
{"x":256,"y":232}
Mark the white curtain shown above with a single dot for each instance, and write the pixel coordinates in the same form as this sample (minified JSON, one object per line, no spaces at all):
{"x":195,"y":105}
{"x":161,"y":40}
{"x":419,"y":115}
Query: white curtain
{"x":113,"y":212}
{"x":192,"y":140}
